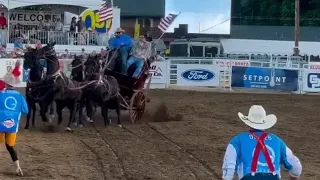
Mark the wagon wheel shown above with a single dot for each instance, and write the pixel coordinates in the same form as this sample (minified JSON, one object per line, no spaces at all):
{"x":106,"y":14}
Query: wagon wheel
{"x":137,"y":106}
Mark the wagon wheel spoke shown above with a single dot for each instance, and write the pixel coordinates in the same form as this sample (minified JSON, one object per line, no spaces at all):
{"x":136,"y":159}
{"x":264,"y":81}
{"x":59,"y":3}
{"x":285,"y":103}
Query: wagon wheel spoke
{"x":137,"y":106}
{"x":133,"y":115}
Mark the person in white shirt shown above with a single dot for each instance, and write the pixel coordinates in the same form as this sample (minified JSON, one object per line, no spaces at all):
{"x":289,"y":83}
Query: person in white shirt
{"x":58,"y":25}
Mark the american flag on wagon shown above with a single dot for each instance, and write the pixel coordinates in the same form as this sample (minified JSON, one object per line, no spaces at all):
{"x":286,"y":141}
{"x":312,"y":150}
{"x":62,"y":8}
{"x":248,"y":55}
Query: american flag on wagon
{"x":105,"y":12}
{"x":166,"y":22}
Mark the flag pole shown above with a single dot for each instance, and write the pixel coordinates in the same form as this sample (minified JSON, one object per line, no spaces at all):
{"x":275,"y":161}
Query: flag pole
{"x":8,"y":23}
{"x":156,"y":41}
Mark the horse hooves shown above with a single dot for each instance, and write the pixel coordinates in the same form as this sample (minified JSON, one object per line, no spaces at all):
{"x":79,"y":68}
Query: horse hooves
{"x":52,"y":116}
{"x":75,"y":124}
{"x":80,"y":125}
{"x":46,"y":123}
{"x":68,"y":129}
{"x":49,"y":120}
{"x":119,"y":125}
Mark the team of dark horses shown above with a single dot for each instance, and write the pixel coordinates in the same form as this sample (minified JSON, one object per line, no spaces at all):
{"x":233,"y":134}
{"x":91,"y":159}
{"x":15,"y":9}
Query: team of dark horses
{"x":88,"y":87}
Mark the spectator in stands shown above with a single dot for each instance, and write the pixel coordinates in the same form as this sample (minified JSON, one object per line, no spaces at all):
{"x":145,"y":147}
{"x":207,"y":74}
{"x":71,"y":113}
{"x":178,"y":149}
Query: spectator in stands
{"x":148,"y":37}
{"x":47,"y":24}
{"x":3,"y":53}
{"x":3,"y":21}
{"x":103,"y":52}
{"x":3,"y":36}
{"x":93,"y":37}
{"x":141,"y":52}
{"x":123,"y":43}
{"x":38,"y":44}
{"x":33,"y":33}
{"x":83,"y":54}
{"x":80,"y":25}
{"x":81,"y":37}
{"x":18,"y":48}
{"x":18,"y":44}
{"x":41,"y":25}
{"x":73,"y":24}
{"x":15,"y":33}
{"x":58,"y":25}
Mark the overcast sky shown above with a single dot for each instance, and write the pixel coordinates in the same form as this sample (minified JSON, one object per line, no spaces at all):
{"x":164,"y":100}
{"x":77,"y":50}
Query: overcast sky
{"x":201,"y":15}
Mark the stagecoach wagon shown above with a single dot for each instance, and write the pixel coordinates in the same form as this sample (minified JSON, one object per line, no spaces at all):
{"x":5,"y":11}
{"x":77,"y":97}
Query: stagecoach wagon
{"x":133,"y":91}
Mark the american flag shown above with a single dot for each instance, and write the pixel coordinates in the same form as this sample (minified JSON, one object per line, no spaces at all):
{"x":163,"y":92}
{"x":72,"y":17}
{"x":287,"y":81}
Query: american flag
{"x":105,"y":12}
{"x":166,"y":22}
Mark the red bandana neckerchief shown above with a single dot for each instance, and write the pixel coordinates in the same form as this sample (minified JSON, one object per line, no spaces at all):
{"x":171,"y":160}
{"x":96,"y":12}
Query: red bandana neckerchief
{"x":261,"y":147}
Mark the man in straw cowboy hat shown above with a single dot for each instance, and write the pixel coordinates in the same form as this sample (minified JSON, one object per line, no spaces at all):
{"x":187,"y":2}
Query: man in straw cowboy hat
{"x":123,"y":43}
{"x":12,"y":104}
{"x":256,"y":154}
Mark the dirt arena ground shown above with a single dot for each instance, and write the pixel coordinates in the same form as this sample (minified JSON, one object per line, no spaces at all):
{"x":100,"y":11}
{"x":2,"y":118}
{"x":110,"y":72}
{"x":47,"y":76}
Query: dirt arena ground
{"x":185,"y":144}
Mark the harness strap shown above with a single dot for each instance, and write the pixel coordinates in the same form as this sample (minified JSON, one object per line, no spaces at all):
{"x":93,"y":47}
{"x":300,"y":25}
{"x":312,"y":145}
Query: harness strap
{"x":261,"y":147}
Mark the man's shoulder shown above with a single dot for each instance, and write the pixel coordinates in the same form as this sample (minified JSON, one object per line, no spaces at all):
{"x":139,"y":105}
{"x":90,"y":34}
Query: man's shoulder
{"x":126,"y":36}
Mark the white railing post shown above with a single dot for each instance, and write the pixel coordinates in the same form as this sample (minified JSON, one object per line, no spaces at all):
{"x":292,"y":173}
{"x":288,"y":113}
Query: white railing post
{"x":168,"y":71}
{"x":88,"y":38}
{"x":68,"y":37}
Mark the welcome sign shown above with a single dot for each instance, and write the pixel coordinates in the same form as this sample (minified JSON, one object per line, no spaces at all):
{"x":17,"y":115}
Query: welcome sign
{"x":32,"y":17}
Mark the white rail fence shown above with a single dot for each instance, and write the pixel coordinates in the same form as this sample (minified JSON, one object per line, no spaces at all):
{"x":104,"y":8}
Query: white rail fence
{"x":277,"y":74}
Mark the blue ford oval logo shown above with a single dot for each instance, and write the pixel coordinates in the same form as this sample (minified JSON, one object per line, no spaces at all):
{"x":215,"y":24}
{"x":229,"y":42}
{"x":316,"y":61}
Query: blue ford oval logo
{"x":198,"y":75}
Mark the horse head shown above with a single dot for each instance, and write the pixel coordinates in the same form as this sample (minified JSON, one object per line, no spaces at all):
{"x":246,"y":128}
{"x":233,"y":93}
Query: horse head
{"x":31,"y":59}
{"x":49,"y":54}
{"x":77,"y":68}
{"x":92,"y":67}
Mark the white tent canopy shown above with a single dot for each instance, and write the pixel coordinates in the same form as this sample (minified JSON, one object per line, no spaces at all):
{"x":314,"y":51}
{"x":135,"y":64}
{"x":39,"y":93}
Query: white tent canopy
{"x":12,"y":4}
{"x":249,"y":46}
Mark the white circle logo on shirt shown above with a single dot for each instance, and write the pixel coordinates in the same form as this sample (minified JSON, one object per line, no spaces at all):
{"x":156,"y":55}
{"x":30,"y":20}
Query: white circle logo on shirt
{"x":271,"y":154}
{"x":10,"y":103}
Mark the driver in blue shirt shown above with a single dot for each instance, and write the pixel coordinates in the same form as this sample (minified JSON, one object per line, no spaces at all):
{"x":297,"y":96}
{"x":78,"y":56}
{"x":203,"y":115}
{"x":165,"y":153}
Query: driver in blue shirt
{"x":123,"y":43}
{"x":12,"y":105}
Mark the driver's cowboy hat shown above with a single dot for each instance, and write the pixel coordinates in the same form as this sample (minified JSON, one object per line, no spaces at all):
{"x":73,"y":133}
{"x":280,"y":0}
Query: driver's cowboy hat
{"x":258,"y":119}
{"x":119,"y":30}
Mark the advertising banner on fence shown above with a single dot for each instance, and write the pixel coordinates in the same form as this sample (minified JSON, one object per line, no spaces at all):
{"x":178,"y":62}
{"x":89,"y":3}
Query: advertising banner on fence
{"x":225,"y":64}
{"x":198,"y":75}
{"x":6,"y":73}
{"x":158,"y":71}
{"x":311,"y":81}
{"x":265,"y":78}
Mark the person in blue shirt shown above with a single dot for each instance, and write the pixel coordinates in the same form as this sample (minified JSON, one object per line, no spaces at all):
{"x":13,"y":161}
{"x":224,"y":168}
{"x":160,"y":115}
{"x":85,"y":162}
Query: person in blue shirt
{"x":256,"y":154}
{"x":123,"y":43}
{"x":12,"y":105}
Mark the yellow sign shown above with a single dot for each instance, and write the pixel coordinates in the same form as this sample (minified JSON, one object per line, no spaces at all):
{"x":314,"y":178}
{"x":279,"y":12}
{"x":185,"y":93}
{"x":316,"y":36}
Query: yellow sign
{"x":136,"y":31}
{"x":168,"y":51}
{"x":91,"y":20}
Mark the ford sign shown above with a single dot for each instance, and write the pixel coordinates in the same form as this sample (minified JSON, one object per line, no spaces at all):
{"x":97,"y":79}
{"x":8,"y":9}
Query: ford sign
{"x":198,"y":75}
